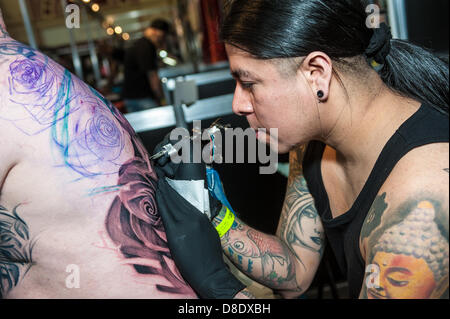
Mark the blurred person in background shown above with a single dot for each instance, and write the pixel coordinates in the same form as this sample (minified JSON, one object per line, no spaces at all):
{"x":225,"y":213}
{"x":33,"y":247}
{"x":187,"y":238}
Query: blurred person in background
{"x":142,"y":87}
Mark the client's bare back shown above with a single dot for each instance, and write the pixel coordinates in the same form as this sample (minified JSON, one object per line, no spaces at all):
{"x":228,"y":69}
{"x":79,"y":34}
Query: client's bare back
{"x":78,"y":217}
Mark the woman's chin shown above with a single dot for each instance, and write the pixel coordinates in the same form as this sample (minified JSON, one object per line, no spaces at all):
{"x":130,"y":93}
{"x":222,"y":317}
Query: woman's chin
{"x":284,"y":148}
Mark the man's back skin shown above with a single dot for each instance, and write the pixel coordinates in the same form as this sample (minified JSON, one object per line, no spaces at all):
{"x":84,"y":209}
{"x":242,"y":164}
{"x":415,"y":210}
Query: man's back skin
{"x":78,"y":217}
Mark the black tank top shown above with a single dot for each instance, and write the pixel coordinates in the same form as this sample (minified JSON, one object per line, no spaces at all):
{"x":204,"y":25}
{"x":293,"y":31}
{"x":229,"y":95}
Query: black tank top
{"x":426,"y":126}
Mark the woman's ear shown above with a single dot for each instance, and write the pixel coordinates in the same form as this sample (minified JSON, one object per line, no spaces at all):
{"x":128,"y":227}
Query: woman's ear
{"x":318,"y":71}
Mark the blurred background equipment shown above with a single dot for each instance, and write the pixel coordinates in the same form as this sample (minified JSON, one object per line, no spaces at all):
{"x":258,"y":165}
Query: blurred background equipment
{"x":95,"y":49}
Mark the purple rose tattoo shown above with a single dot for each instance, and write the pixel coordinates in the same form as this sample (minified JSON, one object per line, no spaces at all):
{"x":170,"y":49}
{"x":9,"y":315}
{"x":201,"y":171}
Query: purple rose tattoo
{"x":95,"y":141}
{"x":33,"y":85}
{"x":27,"y":74}
{"x":139,"y":150}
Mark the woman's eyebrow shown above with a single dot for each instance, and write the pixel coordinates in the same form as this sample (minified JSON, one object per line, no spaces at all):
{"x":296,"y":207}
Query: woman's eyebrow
{"x":238,"y":74}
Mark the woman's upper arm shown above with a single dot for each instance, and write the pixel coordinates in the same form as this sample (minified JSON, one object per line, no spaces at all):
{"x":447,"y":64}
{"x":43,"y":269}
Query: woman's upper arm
{"x":405,"y":236}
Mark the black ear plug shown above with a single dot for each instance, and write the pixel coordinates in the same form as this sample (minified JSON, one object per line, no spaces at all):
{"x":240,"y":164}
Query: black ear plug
{"x":320,"y":94}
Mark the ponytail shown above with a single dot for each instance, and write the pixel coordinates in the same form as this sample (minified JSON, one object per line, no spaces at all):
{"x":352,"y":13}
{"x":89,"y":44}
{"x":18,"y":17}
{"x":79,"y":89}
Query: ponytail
{"x":417,"y":73}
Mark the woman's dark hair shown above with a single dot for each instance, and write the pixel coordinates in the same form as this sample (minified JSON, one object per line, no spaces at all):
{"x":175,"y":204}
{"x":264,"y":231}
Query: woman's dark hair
{"x":276,"y":29}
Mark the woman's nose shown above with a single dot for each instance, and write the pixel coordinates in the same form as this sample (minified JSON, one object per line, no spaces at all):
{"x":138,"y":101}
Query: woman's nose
{"x":242,"y":105}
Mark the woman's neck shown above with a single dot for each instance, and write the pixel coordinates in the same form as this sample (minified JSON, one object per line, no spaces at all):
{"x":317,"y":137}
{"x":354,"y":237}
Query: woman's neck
{"x":366,"y":124}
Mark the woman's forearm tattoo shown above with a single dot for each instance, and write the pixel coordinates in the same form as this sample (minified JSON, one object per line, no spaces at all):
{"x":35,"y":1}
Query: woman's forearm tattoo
{"x":262,"y":257}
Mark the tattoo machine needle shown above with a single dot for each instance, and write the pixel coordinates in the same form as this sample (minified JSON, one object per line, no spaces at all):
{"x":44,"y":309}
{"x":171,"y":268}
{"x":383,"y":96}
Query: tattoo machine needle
{"x":167,"y":150}
{"x":170,"y":150}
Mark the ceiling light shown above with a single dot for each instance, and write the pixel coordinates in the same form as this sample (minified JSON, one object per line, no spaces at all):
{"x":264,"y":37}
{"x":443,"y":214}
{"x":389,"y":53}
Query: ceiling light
{"x":95,"y":7}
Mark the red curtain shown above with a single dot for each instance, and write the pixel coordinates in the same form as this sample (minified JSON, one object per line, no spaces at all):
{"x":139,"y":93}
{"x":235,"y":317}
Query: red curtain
{"x":213,"y":49}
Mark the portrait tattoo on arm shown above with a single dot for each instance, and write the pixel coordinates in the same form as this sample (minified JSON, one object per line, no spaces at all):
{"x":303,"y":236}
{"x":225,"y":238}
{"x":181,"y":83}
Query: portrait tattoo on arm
{"x":295,"y":163}
{"x":276,"y":260}
{"x":409,"y":248}
{"x":303,"y":227}
{"x":16,"y":248}
{"x":300,"y":226}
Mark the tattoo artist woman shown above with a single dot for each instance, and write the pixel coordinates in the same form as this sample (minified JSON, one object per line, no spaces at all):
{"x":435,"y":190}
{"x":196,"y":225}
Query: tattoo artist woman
{"x":365,"y":119}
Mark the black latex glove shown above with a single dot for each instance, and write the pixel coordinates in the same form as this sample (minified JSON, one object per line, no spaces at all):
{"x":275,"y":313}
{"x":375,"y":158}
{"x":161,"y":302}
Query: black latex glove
{"x":179,"y":171}
{"x":195,"y":246}
{"x":184,"y":171}
{"x":193,"y":241}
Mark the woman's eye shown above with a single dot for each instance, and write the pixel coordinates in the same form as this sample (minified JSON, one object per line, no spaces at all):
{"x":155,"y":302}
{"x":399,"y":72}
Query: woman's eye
{"x":247,"y":85}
